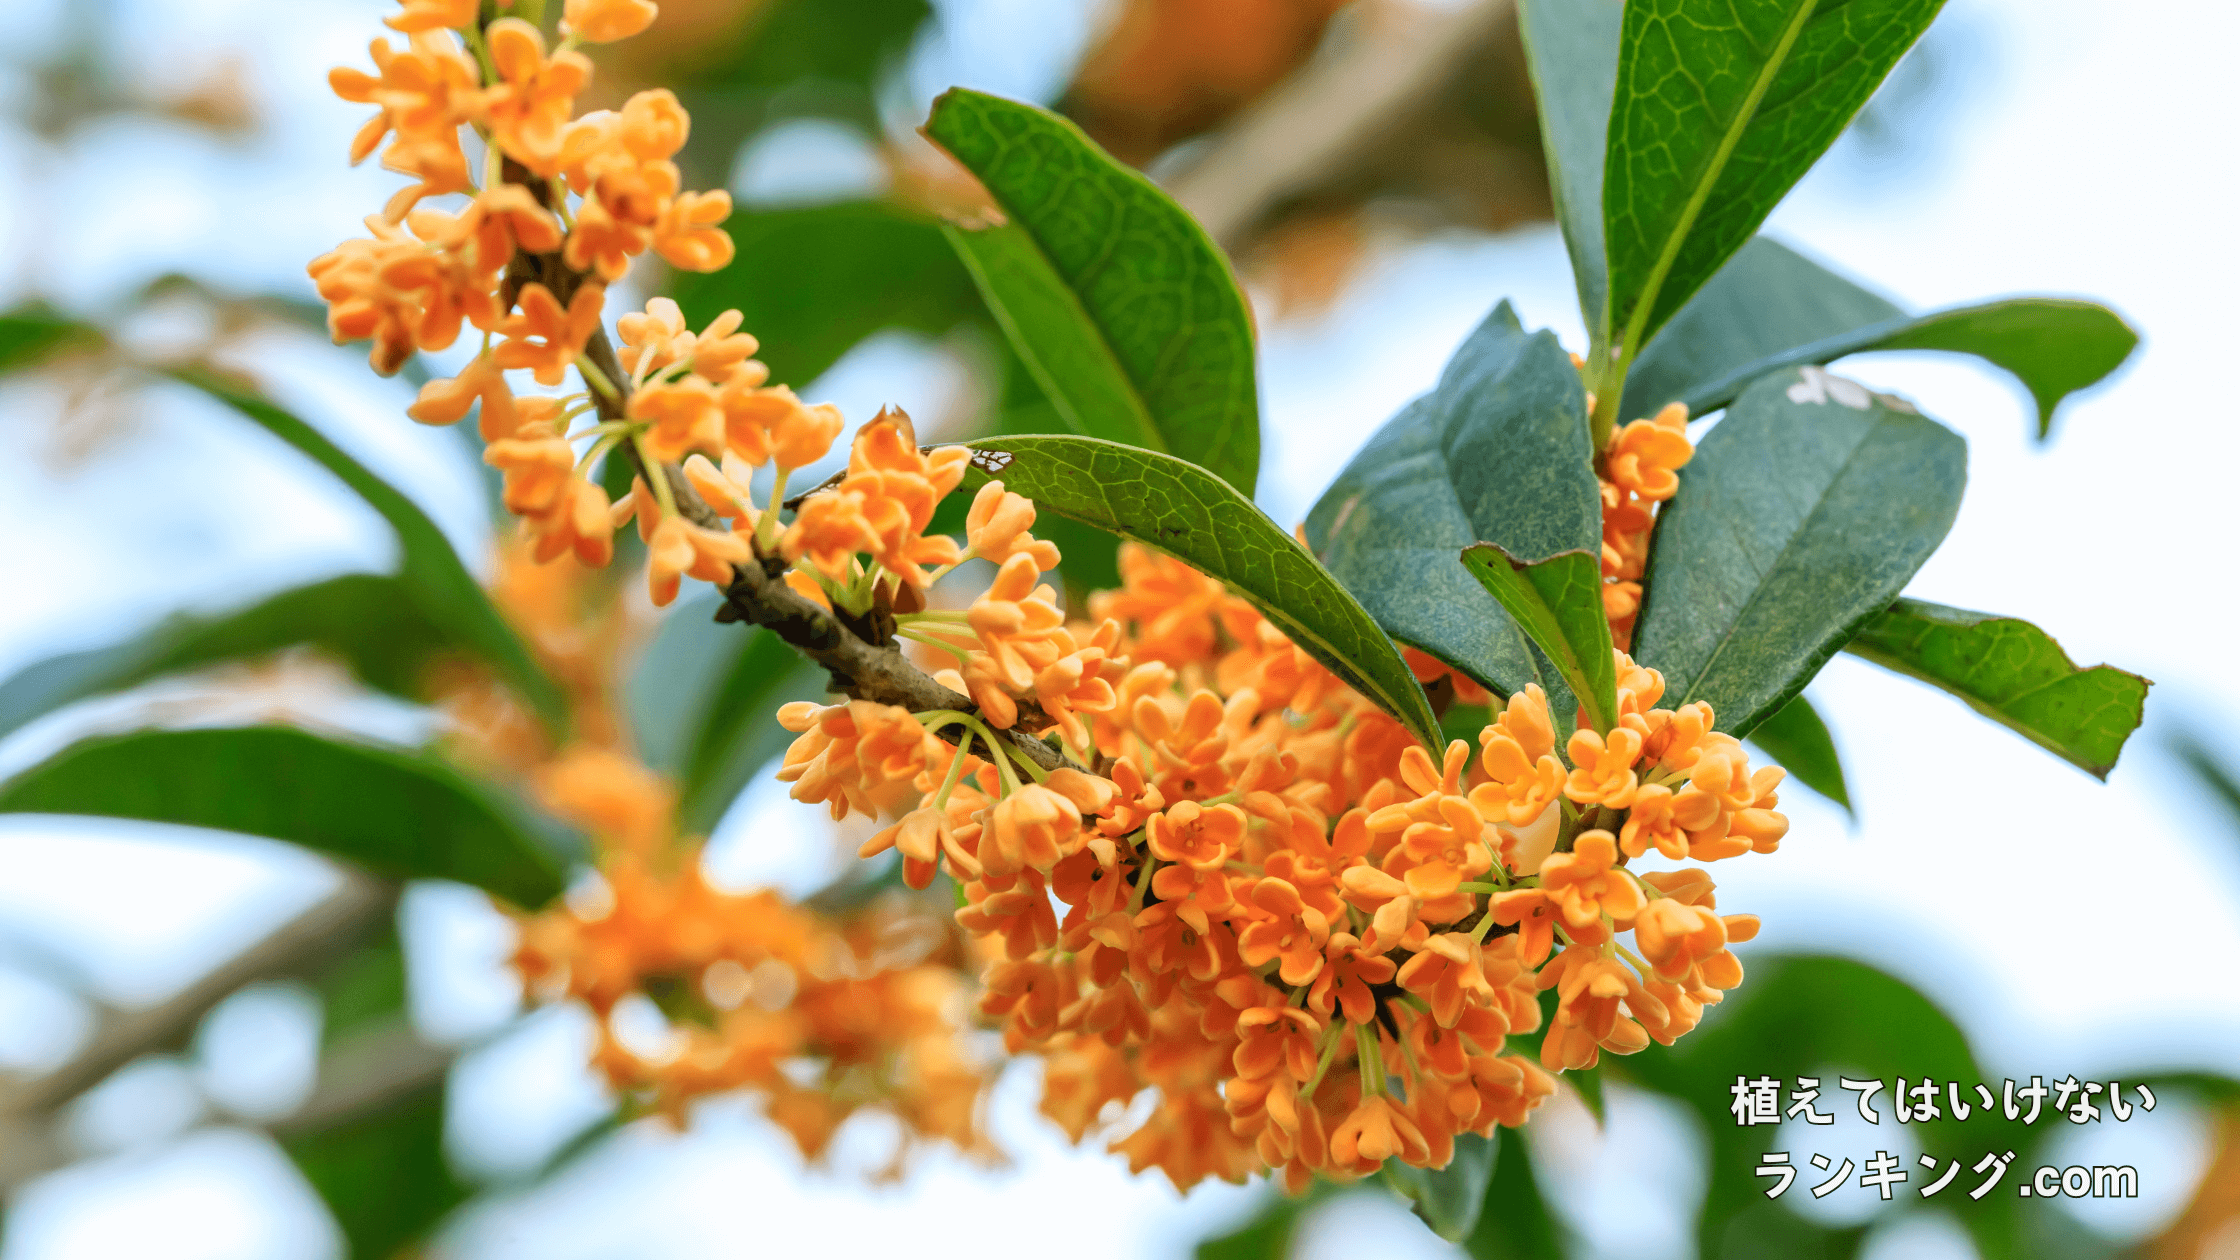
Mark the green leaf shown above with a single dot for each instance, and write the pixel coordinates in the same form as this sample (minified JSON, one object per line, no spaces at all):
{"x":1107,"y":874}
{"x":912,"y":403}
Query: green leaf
{"x":813,"y":281}
{"x":369,"y":622}
{"x":395,"y":813}
{"x":1766,"y":301}
{"x":2054,"y":346}
{"x":1515,"y":1223}
{"x":1802,"y":515}
{"x":1798,"y":740}
{"x":1267,"y":1236}
{"x":1558,"y":604}
{"x":383,"y":1174}
{"x":1449,"y":1199}
{"x":2013,"y":673}
{"x":1497,"y":453}
{"x":446,"y":594}
{"x":1571,"y":49}
{"x":1156,"y":340}
{"x":31,"y":333}
{"x":1720,"y":108}
{"x":1189,"y":513}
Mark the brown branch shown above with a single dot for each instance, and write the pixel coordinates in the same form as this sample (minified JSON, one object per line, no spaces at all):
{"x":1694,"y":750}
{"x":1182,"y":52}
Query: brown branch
{"x":757,"y":593}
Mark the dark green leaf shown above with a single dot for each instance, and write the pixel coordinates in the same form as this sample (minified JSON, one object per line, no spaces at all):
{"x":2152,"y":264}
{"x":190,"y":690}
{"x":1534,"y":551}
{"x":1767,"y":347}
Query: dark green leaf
{"x":1156,"y":318}
{"x":370,"y":623}
{"x":1587,"y":1082}
{"x":1497,"y":453}
{"x":1720,"y":108}
{"x":1182,"y":509}
{"x":383,"y":1174}
{"x":31,"y":333}
{"x":395,"y":813}
{"x":1558,"y":604}
{"x":1767,"y":300}
{"x":1802,"y":515}
{"x":2054,"y":346}
{"x":1571,"y":48}
{"x":1515,"y":1223}
{"x":447,"y":595}
{"x":2013,"y":673}
{"x":1796,"y":738}
{"x":812,"y":281}
{"x":1267,"y":1236}
{"x":1449,"y":1199}
{"x":1818,"y":1017}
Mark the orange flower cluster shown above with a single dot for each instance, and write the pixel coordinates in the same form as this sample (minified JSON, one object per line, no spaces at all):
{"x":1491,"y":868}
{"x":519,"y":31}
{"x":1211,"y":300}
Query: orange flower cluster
{"x":1267,"y":902}
{"x":425,"y":273}
{"x":1638,"y":471}
{"x":821,"y":1018}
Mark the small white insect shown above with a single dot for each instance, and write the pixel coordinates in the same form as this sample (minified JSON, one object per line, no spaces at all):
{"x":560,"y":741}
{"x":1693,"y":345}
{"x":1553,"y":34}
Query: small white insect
{"x":990,"y":461}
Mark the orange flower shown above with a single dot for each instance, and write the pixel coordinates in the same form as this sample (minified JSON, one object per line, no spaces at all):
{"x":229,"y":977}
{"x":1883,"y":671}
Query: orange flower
{"x":1344,"y":981}
{"x":680,"y":548}
{"x":446,"y":401}
{"x":1642,"y":455}
{"x":1518,"y":789}
{"x":1374,"y":1132}
{"x":1012,"y":616}
{"x":1603,"y":767}
{"x":537,"y":463}
{"x":996,"y":528}
{"x":530,"y":108}
{"x":1273,"y":1039}
{"x":1197,"y":837}
{"x":1450,"y":975}
{"x":1587,"y":883}
{"x":605,"y":21}
{"x":1533,"y":914}
{"x":577,"y":522}
{"x":681,"y":416}
{"x":430,"y":15}
{"x":545,"y":338}
{"x":1294,"y":932}
{"x":1173,"y":606}
{"x":689,"y":234}
{"x":1034,"y":827}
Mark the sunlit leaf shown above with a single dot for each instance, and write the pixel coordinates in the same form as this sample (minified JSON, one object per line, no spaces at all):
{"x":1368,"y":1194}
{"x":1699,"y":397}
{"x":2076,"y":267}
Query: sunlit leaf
{"x":2013,"y":673}
{"x":1182,"y":509}
{"x":394,"y":813}
{"x":1719,"y":109}
{"x":1802,"y":515}
{"x":1121,"y":306}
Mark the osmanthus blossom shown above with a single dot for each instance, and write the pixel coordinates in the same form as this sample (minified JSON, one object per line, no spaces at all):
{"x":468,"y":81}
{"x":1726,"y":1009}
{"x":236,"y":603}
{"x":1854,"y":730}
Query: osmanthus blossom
{"x":1245,"y":889}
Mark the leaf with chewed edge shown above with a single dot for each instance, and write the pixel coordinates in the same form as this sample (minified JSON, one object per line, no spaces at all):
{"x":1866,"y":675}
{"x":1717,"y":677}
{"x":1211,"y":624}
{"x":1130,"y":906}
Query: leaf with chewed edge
{"x":1187,"y":512}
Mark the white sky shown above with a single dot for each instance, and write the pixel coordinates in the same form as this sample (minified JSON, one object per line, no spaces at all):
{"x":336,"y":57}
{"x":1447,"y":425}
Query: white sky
{"x":2069,"y":925}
